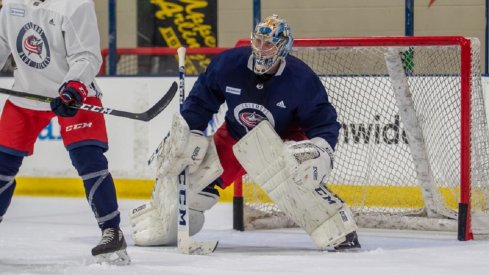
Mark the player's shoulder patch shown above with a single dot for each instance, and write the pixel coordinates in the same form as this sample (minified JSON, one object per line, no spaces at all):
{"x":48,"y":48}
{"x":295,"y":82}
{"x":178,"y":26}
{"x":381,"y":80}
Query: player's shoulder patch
{"x":20,"y":12}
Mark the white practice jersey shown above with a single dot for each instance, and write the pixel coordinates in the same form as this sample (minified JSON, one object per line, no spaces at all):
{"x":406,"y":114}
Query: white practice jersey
{"x":52,"y":42}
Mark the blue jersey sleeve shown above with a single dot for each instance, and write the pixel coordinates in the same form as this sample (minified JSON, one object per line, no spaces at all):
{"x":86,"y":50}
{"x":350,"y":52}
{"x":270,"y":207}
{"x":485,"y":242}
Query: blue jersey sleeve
{"x":317,"y":116}
{"x":204,"y":99}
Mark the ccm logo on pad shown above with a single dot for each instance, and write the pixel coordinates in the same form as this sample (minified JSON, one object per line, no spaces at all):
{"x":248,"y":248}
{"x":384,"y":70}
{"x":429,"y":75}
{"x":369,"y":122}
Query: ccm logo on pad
{"x":78,"y":126}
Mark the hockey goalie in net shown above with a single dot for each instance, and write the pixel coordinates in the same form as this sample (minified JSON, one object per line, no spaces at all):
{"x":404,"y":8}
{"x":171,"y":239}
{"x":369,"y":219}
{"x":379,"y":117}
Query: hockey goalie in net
{"x":272,"y":97}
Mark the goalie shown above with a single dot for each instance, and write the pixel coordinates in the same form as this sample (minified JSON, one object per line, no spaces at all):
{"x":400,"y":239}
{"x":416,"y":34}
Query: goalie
{"x":271,"y":97}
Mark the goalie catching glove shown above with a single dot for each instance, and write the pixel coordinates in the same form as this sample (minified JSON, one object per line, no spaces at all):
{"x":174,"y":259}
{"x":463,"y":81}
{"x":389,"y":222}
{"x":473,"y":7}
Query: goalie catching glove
{"x":311,"y":161}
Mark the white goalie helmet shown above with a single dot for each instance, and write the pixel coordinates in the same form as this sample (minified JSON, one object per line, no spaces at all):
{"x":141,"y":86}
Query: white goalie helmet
{"x":271,"y":41}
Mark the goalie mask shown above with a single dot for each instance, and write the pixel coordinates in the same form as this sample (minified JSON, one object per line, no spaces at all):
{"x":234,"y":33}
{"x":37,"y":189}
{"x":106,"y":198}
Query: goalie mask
{"x":271,"y":41}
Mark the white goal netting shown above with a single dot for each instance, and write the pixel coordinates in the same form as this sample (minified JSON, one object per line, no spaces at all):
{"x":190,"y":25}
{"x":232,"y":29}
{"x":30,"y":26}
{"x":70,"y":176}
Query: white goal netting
{"x":414,"y":127}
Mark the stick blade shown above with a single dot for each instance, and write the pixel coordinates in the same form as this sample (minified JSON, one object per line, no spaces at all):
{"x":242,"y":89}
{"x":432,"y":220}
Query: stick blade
{"x":188,"y":246}
{"x":161,"y":104}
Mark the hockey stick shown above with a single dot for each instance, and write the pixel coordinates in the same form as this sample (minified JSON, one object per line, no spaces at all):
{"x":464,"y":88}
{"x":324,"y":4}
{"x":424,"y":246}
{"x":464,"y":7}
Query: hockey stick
{"x":185,"y":244}
{"x":145,"y":116}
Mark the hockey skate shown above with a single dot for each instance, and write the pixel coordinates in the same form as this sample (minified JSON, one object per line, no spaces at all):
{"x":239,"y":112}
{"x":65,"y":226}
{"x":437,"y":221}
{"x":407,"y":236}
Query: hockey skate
{"x":351,"y":244}
{"x":112,"y":248}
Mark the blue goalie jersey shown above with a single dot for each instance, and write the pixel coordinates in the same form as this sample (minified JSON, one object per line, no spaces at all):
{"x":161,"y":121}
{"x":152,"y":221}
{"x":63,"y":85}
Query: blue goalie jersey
{"x":293,"y":97}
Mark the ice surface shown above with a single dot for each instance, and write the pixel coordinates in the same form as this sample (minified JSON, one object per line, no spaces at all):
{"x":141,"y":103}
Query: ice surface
{"x":55,"y":236}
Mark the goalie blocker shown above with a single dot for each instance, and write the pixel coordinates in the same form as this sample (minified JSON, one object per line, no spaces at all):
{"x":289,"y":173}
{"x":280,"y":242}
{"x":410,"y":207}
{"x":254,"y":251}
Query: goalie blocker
{"x":292,"y":174}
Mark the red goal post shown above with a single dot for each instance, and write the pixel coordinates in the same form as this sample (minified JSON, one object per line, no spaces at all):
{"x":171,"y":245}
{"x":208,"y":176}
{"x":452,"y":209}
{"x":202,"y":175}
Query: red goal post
{"x":438,"y":73}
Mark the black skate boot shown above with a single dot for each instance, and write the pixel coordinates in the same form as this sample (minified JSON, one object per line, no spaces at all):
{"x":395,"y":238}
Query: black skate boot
{"x":351,"y":243}
{"x":112,"y":248}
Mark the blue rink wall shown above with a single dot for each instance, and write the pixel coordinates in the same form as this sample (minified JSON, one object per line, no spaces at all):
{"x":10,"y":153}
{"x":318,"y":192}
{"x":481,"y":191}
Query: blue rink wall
{"x":49,"y":172}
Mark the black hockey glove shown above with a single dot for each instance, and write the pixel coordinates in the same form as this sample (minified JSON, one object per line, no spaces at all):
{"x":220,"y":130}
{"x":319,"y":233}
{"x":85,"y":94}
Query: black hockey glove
{"x":71,"y":94}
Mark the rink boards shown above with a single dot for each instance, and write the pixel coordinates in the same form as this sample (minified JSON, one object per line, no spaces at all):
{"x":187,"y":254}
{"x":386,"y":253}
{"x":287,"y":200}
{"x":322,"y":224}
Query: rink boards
{"x":131,"y":143}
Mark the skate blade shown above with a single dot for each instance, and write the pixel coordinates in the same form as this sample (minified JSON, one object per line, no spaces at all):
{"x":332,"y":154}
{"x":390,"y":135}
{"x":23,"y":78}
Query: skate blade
{"x":114,"y":258}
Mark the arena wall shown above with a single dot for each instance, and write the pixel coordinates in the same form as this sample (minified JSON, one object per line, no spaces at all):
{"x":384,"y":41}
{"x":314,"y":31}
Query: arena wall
{"x":320,"y":18}
{"x":131,"y":143}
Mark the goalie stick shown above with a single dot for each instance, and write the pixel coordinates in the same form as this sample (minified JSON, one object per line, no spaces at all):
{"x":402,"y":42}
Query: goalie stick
{"x":145,"y":116}
{"x":185,"y":244}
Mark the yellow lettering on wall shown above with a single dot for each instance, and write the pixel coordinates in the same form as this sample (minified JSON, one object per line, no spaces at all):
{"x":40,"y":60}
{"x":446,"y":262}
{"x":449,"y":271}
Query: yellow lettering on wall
{"x":189,"y":26}
{"x":194,"y":4}
{"x":170,"y":37}
{"x":167,"y":9}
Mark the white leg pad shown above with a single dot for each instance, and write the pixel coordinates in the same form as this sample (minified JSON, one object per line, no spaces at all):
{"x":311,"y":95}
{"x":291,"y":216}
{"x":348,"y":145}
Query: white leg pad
{"x":322,"y":215}
{"x":333,"y":231}
{"x":146,"y":225}
{"x":155,"y":223}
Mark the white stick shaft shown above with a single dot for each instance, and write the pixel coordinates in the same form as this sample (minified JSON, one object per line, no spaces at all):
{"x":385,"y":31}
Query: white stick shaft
{"x":181,"y":56}
{"x":181,"y":73}
{"x":185,"y":244}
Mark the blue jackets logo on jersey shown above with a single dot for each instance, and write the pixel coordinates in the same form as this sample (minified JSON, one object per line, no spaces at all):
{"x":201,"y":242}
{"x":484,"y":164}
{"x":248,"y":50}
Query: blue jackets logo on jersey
{"x":32,"y":44}
{"x":251,"y":114}
{"x":250,"y":119}
{"x":33,"y":47}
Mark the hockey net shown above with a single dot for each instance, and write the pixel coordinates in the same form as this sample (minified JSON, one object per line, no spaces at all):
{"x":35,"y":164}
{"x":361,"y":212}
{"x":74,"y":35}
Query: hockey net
{"x":413,"y":150}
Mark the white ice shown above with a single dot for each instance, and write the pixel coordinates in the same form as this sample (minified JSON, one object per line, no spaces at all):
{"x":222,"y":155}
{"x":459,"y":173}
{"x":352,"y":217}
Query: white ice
{"x":55,"y":236}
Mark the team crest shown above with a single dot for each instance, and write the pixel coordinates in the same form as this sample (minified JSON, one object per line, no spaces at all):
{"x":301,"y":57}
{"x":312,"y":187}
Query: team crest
{"x":33,"y":47}
{"x":250,"y":119}
{"x":249,"y":115}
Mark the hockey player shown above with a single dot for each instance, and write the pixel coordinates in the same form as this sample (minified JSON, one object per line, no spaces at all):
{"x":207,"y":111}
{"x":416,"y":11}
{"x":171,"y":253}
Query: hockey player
{"x":56,"y":47}
{"x":267,"y":92}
